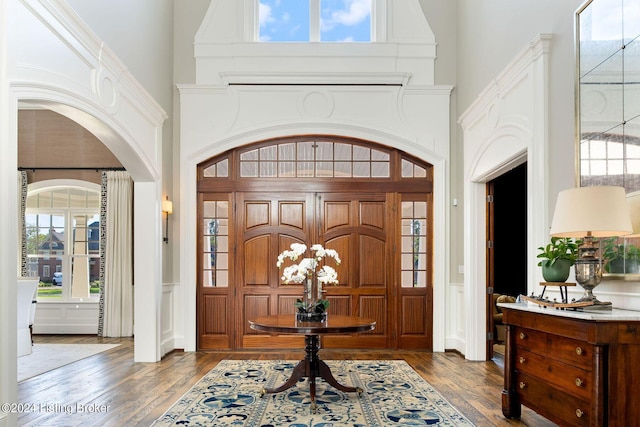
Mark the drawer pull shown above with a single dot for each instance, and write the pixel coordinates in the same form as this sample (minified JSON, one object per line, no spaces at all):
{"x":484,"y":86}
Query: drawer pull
{"x":579,"y":413}
{"x":579,"y":351}
{"x":579,"y":382}
{"x":522,"y":359}
{"x":522,"y":335}
{"x":522,"y":385}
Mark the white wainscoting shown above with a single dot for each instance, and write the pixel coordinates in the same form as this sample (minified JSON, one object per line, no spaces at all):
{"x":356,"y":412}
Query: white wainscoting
{"x":171,"y":319}
{"x":66,"y":318}
{"x":455,"y":339}
{"x":82,"y":318}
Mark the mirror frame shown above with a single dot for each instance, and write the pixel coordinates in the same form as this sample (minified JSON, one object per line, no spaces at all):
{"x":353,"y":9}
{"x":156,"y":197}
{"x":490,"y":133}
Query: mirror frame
{"x":607,"y":123}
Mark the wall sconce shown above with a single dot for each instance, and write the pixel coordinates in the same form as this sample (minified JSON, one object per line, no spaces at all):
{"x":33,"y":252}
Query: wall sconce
{"x":167,"y":209}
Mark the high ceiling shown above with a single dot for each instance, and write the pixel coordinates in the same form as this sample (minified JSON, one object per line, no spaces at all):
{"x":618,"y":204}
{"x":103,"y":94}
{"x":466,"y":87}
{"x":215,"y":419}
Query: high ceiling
{"x":47,"y":139}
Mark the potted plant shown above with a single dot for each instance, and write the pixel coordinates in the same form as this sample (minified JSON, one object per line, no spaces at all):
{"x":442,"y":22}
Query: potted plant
{"x":620,"y":258}
{"x":557,"y":258}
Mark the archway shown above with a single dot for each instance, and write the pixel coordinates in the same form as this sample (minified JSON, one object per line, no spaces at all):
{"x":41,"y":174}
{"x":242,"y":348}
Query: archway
{"x":147,"y":197}
{"x":372,"y":204}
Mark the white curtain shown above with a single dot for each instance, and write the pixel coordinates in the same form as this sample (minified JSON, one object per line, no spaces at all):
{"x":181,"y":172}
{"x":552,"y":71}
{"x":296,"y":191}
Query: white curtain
{"x":117,"y":290}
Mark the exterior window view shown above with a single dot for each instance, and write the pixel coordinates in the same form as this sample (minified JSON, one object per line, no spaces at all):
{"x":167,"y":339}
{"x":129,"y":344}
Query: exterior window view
{"x":315,"y":20}
{"x":63,"y":243}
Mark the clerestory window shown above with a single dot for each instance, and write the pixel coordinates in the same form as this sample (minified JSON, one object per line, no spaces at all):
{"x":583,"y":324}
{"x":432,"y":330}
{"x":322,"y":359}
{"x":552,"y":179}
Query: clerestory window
{"x":315,"y":20}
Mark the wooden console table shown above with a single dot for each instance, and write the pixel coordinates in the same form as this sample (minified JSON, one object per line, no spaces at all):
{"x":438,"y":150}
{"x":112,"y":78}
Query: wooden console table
{"x":311,"y":366}
{"x":577,"y":368}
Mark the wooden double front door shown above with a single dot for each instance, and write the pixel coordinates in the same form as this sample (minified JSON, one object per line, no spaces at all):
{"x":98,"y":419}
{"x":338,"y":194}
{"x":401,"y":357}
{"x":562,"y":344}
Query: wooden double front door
{"x":361,"y":227}
{"x":315,"y":191}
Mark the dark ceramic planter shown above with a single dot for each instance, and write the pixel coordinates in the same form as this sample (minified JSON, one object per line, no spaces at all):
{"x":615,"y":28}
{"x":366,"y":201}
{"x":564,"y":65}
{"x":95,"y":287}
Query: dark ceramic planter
{"x":558,"y":272}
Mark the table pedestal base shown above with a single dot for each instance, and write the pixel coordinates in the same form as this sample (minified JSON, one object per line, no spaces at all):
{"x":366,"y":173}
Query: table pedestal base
{"x":311,"y":367}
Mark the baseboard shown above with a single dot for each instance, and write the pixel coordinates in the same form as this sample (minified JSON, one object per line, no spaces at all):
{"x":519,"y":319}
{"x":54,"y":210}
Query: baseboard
{"x":66,"y":329}
{"x":454,"y":344}
{"x":171,"y":344}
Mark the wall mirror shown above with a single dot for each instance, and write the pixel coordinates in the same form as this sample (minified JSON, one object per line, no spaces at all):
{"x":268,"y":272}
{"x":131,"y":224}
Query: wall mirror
{"x":608,"y":114}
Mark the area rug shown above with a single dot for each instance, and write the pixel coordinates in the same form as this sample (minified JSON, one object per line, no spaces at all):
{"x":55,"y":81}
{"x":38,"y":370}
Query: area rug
{"x":393,"y":395}
{"x":46,"y":357}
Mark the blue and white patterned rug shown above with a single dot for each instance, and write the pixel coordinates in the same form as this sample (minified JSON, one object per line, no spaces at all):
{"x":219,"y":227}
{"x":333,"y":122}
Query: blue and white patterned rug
{"x":394,"y":395}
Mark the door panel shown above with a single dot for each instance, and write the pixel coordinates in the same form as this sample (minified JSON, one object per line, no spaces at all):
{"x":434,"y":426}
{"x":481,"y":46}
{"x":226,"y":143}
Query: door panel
{"x":215,"y":321}
{"x":256,"y":251}
{"x":270,"y":224}
{"x":373,"y":267}
{"x":354,"y":225}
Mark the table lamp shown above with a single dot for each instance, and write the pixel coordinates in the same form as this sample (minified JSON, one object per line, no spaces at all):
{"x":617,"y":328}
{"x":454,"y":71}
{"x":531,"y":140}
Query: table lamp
{"x":586,"y":213}
{"x":633,"y":199}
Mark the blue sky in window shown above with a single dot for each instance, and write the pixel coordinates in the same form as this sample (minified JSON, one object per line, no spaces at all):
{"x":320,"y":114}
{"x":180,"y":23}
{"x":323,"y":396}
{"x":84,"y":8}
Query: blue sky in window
{"x":284,"y":20}
{"x":341,"y":20}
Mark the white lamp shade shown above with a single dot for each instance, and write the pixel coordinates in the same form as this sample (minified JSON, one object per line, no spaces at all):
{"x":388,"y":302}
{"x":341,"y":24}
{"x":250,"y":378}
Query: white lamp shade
{"x":167,"y":206}
{"x":601,"y":210}
{"x":634,"y":207}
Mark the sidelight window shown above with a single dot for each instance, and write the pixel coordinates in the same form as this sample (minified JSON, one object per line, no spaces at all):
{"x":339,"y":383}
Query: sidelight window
{"x":414,"y":245}
{"x":216,"y":244}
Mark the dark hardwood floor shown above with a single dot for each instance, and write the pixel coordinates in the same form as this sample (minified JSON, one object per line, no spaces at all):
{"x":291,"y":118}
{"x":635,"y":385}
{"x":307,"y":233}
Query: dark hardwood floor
{"x":135,"y":394}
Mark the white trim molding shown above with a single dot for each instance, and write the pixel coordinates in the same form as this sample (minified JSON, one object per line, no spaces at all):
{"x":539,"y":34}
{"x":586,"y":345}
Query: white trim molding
{"x":506,"y":125}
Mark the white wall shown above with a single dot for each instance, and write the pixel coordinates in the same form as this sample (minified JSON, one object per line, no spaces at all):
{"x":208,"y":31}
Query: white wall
{"x":141,"y":34}
{"x":490,"y":35}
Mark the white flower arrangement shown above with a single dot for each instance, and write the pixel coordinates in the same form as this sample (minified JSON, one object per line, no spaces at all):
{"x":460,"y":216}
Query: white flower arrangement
{"x":308,"y":267}
{"x":308,"y":270}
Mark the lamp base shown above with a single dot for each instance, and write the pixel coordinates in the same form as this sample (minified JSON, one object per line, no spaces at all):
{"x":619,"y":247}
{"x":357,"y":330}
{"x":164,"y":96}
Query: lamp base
{"x":589,"y":274}
{"x":596,"y":304}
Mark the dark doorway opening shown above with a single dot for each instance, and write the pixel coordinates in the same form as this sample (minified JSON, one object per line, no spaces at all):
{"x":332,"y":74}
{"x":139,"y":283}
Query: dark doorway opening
{"x":506,"y":249}
{"x":510,"y":232}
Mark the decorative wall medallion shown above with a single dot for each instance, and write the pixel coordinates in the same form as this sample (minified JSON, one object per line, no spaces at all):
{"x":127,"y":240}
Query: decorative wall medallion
{"x":316,"y":105}
{"x":106,"y":91}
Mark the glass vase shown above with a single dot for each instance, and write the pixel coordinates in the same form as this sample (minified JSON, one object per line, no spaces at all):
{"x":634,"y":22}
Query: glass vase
{"x":312,"y":310}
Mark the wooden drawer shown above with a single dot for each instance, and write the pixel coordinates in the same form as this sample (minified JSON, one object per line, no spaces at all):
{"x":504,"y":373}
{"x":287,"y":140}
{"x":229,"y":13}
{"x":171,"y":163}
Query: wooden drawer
{"x":555,"y":404}
{"x":574,"y":352}
{"x":573,"y":380}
